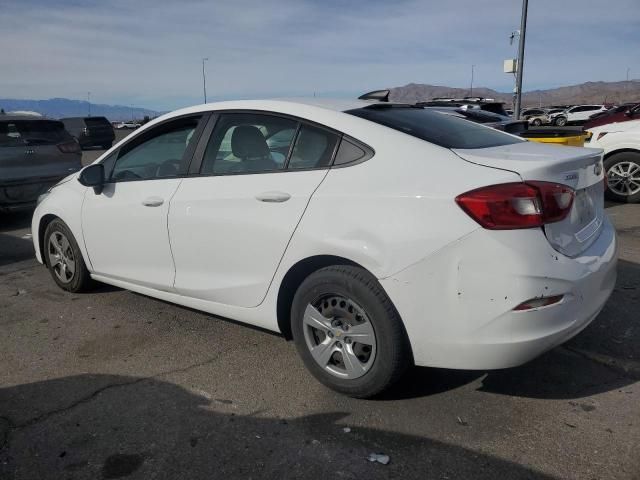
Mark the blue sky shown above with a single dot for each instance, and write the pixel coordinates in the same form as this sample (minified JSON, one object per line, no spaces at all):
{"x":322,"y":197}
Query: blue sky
{"x":148,"y":52}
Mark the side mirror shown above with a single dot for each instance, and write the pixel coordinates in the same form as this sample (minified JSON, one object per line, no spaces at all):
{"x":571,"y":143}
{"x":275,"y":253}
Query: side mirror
{"x":93,"y":176}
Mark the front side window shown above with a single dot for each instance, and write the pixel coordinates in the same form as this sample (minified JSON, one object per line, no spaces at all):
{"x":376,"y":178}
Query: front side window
{"x":248,"y":143}
{"x":158,"y":154}
{"x":444,"y":130}
{"x":314,"y":148}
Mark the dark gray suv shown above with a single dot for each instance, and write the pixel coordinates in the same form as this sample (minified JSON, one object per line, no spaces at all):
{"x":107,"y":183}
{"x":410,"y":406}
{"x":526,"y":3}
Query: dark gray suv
{"x":90,"y":131}
{"x":35,"y":153}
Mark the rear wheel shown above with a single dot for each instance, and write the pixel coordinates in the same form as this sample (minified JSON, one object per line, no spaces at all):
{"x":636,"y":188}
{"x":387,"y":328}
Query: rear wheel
{"x":348,"y":332}
{"x":623,"y":177}
{"x":64,"y":259}
{"x":561,"y":121}
{"x":536,"y":122}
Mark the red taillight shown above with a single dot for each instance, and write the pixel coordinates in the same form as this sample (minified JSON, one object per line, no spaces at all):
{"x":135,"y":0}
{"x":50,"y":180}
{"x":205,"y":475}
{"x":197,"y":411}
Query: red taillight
{"x":517,"y":205}
{"x":69,"y":147}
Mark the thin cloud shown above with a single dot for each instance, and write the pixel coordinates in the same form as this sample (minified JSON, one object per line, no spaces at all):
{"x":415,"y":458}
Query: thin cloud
{"x":148,"y":52}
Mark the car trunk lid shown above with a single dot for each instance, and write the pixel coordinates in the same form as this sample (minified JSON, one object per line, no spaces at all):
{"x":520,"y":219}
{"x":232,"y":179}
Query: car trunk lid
{"x":579,"y":168}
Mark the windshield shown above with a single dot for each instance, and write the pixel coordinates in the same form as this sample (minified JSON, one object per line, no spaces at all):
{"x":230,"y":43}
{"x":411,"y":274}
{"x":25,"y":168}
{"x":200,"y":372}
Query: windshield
{"x":443,"y":130}
{"x":32,"y":132}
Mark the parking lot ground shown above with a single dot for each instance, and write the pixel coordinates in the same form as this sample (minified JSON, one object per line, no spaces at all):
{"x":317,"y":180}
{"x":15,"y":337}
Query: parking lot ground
{"x":112,"y":384}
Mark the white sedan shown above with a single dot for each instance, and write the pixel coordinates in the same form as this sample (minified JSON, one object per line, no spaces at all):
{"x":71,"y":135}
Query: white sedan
{"x":375,"y":235}
{"x":621,"y":145}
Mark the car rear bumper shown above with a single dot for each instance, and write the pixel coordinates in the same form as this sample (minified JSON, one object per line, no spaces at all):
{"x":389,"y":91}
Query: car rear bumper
{"x":458,"y":305}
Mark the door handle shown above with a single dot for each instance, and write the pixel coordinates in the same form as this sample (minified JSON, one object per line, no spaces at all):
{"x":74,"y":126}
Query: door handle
{"x":152,"y":202}
{"x":273,"y":197}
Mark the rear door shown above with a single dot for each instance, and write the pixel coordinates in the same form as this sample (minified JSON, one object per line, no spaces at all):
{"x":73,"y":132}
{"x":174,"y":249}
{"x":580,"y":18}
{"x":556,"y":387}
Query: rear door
{"x":231,"y":221}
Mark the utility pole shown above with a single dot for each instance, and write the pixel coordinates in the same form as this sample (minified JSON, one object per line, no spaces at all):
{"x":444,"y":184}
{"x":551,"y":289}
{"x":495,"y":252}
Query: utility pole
{"x":89,"y":102}
{"x":471,"y":89}
{"x":523,"y":31}
{"x":204,"y":80}
{"x":628,"y":69}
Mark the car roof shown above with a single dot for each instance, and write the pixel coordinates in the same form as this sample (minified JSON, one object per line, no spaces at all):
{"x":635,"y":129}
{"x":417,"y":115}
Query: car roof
{"x":278,"y":104}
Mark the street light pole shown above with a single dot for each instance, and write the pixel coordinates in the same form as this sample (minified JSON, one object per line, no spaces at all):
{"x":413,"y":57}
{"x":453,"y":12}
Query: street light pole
{"x":523,"y":31}
{"x":471,"y":89}
{"x":204,"y":80}
{"x":89,"y":102}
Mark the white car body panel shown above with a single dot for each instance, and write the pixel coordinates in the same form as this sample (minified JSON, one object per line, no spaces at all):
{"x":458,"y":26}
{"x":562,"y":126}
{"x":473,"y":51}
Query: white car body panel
{"x":619,"y":136}
{"x":134,"y":245}
{"x":454,"y":283}
{"x":213,"y":218}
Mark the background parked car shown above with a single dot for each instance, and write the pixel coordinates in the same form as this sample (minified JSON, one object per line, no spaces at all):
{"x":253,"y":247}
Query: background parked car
{"x":90,"y":131}
{"x":622,"y":113}
{"x":621,"y":144}
{"x":127,"y":125}
{"x":576,"y":115}
{"x":35,"y":153}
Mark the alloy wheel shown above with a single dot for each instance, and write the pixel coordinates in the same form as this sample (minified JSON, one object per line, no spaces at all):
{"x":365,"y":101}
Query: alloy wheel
{"x":61,"y":257}
{"x":624,"y":178}
{"x":340,"y":336}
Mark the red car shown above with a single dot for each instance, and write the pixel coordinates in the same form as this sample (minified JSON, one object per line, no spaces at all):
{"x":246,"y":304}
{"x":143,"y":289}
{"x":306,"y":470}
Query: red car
{"x":623,"y":113}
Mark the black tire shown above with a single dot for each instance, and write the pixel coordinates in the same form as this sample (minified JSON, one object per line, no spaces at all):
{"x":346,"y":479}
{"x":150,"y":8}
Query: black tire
{"x":560,"y":121}
{"x":80,"y":280}
{"x":536,"y":122}
{"x":392,"y":348}
{"x":612,"y":161}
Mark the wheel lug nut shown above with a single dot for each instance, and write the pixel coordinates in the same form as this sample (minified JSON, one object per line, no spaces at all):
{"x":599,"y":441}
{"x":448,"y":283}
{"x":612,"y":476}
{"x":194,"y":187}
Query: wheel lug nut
{"x":345,"y":327}
{"x":330,"y":334}
{"x":347,"y":341}
{"x":338,"y":344}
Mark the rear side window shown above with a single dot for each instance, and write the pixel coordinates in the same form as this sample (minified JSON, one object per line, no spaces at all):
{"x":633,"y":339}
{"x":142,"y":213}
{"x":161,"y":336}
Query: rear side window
{"x":248,"y":143}
{"x":314,"y":148}
{"x":434,"y":127}
{"x":32,"y":132}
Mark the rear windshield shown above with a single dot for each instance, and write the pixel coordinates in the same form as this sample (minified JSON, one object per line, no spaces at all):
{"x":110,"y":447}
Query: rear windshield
{"x":31,"y":132}
{"x":97,"y":122}
{"x":434,"y":127}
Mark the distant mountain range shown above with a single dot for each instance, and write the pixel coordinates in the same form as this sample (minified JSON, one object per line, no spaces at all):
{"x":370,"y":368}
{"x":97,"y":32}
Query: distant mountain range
{"x":589,"y":92}
{"x":63,"y":107}
{"x":584,"y":93}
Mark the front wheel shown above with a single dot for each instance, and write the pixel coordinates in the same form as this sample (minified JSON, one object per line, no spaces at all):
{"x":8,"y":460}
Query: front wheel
{"x":561,"y":121}
{"x":623,"y":177}
{"x":63,"y":258}
{"x":348,"y":332}
{"x":536,"y":122}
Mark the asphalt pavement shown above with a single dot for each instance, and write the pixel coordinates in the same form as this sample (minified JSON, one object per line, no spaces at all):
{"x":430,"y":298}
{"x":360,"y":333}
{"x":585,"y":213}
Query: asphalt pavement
{"x":112,"y":384}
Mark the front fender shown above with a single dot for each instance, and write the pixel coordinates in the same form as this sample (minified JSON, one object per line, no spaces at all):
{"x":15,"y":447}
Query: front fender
{"x":64,"y":202}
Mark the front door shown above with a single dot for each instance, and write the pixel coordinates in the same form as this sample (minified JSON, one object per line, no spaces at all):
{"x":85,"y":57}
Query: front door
{"x":231,"y":223}
{"x":125,"y":225}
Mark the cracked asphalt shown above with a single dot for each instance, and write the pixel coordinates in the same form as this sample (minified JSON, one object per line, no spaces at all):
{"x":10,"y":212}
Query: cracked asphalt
{"x":112,"y":384}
